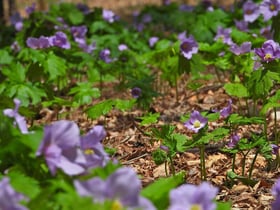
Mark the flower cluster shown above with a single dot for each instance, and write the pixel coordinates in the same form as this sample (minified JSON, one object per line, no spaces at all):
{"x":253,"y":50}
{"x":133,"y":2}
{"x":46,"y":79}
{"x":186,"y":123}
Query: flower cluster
{"x":64,"y":148}
{"x":58,"y":40}
{"x":19,"y":119}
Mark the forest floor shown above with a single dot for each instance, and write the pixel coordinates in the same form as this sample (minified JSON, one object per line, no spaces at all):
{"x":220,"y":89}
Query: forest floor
{"x":134,"y":148}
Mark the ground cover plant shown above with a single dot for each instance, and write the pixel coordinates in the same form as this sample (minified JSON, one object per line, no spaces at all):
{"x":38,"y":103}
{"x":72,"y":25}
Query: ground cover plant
{"x":177,"y":108}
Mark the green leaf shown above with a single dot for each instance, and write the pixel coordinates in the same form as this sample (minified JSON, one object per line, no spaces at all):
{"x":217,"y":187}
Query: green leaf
{"x":242,"y":120}
{"x":84,"y":93}
{"x":236,"y":89}
{"x":24,"y":184}
{"x":5,"y":58}
{"x":32,"y":140}
{"x":124,"y":105}
{"x":180,"y":142}
{"x":223,"y":205}
{"x":150,"y":118}
{"x":99,"y":109}
{"x":160,"y":198}
{"x":55,"y":66}
{"x":15,"y":72}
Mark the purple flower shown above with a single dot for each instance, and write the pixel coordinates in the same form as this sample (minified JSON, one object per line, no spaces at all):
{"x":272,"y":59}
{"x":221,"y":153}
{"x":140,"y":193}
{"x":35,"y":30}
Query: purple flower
{"x":147,"y":18}
{"x":30,"y":9}
{"x":196,"y":121}
{"x":234,"y":139}
{"x":188,"y":47}
{"x":266,"y":32}
{"x":250,"y":11}
{"x":15,"y":46}
{"x":38,"y":43}
{"x":241,"y":25}
{"x":122,"y":47}
{"x":225,"y":112}
{"x":116,"y":189}
{"x":269,"y":8}
{"x":164,"y":148}
{"x":224,"y":35}
{"x":275,"y":148}
{"x":79,"y":33}
{"x":19,"y":120}
{"x":153,"y":40}
{"x":245,"y":47}
{"x":136,"y":92}
{"x":93,"y":149}
{"x":182,"y":36}
{"x":166,"y":2}
{"x":60,"y":40}
{"x":276,"y":193}
{"x":59,"y":146}
{"x":87,"y":48}
{"x":17,"y":21}
{"x":9,"y":198}
{"x":63,"y":25}
{"x":108,"y":15}
{"x":83,"y":8}
{"x":189,"y":196}
{"x":269,"y":51}
{"x":105,"y":55}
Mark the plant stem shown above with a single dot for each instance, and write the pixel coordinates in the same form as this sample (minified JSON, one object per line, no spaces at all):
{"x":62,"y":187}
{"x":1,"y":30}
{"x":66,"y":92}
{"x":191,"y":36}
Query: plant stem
{"x":244,"y":161}
{"x":202,"y":162}
{"x":252,"y":164}
{"x":172,"y":165}
{"x":165,"y":168}
{"x":275,"y":126}
{"x":233,"y":162}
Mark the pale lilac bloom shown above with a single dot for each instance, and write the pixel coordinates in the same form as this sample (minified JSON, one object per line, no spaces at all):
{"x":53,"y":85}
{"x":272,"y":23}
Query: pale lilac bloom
{"x":250,"y":11}
{"x":19,"y":119}
{"x":266,"y":32}
{"x":182,"y":36}
{"x":9,"y":198}
{"x":83,"y":8}
{"x":188,"y":47}
{"x":122,"y":47}
{"x":105,"y":55}
{"x":153,"y":40}
{"x":186,"y":8}
{"x":164,"y":148}
{"x":17,"y":21}
{"x":276,"y":193}
{"x":225,"y":112}
{"x":147,"y":18}
{"x":93,"y":149}
{"x":245,"y":47}
{"x":60,"y":40}
{"x":108,"y":15}
{"x":62,"y":27}
{"x":269,"y":8}
{"x":38,"y":43}
{"x":60,"y":147}
{"x":241,"y":25}
{"x":190,"y":196}
{"x":122,"y":187}
{"x":30,"y":9}
{"x":269,"y":51}
{"x":224,"y":35}
{"x":136,"y":92}
{"x":196,"y":121}
{"x":79,"y":33}
{"x":275,"y":148}
{"x":87,"y":48}
{"x":234,"y":139}
{"x":15,"y":46}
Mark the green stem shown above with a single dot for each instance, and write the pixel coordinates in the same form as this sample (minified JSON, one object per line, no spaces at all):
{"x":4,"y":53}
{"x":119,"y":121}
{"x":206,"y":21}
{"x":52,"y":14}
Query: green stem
{"x":252,"y":164}
{"x":275,"y":126}
{"x":243,"y":162}
{"x":202,"y":162}
{"x":233,"y":162}
{"x":172,"y":165}
{"x":165,"y":168}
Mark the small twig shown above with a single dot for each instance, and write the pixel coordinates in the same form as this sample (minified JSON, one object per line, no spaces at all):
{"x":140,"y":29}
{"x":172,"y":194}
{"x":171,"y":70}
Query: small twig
{"x":136,"y":158}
